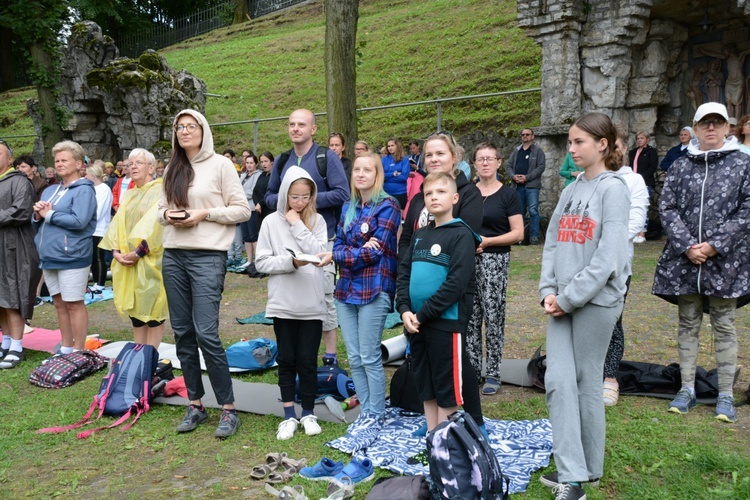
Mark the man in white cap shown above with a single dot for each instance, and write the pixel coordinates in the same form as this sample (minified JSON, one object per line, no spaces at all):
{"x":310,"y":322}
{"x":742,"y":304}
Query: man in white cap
{"x":732,"y":125}
{"x":705,"y":208}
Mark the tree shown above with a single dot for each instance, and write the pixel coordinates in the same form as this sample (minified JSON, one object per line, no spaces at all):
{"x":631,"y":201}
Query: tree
{"x":37,"y":25}
{"x":341,"y":67}
{"x":241,"y":11}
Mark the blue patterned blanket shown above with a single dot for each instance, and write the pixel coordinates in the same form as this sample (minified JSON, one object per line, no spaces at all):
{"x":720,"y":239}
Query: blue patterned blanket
{"x":521,"y":447}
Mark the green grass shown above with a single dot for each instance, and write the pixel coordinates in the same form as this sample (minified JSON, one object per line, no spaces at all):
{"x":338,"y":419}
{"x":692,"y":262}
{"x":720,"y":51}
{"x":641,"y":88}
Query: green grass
{"x":649,"y":453}
{"x":410,"y":51}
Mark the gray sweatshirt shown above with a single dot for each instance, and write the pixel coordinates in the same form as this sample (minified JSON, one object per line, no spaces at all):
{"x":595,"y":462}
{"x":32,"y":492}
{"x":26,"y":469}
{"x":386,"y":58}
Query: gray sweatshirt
{"x":586,"y":251}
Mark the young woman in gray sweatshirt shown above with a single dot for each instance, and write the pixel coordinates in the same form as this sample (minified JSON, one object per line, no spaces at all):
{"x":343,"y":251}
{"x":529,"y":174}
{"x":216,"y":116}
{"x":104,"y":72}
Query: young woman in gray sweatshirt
{"x":585,"y":266}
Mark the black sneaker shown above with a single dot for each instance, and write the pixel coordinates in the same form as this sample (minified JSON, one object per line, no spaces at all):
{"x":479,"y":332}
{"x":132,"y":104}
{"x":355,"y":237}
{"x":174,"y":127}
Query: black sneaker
{"x":567,"y":491}
{"x":38,"y":302}
{"x":228,"y":424}
{"x":420,"y":458}
{"x":551,"y":481}
{"x":193,"y":417}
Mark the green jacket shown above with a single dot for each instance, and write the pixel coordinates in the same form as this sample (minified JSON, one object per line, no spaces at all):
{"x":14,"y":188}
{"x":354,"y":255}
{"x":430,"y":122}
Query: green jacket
{"x":567,"y":169}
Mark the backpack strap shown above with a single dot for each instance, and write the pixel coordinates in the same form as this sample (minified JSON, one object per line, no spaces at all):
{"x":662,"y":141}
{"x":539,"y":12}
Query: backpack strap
{"x":99,"y":401}
{"x":139,"y":408}
{"x":321,"y":161}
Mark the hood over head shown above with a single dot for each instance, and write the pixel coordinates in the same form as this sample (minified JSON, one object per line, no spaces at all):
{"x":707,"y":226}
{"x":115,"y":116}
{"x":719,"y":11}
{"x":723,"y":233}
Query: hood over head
{"x":292,"y":174}
{"x":207,"y":146}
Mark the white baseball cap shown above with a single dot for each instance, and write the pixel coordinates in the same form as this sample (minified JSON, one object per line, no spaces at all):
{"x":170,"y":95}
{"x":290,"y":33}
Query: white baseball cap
{"x":732,"y":120}
{"x":710,"y":108}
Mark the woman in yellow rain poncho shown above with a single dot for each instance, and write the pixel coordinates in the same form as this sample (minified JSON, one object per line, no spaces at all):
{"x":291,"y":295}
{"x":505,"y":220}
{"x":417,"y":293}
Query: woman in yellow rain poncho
{"x":135,"y":238}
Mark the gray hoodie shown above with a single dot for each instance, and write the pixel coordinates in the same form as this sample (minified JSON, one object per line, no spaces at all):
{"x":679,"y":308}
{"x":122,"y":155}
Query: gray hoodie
{"x":586,"y":251}
{"x":293,"y":293}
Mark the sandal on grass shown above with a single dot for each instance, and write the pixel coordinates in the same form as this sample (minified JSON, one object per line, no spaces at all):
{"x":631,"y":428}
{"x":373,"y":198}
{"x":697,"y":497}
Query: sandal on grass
{"x":491,"y":387}
{"x":260,"y":472}
{"x":292,"y":465}
{"x":296,"y":492}
{"x":611,"y":393}
{"x":273,"y":460}
{"x":340,"y":489}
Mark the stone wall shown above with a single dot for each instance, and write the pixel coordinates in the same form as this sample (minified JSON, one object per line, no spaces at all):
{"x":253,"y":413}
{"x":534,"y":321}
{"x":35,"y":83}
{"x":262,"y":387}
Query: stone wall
{"x":631,"y":59}
{"x":117,"y":104}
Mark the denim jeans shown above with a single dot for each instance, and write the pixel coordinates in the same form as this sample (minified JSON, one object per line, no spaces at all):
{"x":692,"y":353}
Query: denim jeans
{"x":529,"y":198}
{"x":362,"y":329}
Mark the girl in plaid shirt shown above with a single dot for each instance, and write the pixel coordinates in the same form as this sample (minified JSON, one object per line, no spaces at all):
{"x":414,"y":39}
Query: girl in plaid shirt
{"x":365,"y":250}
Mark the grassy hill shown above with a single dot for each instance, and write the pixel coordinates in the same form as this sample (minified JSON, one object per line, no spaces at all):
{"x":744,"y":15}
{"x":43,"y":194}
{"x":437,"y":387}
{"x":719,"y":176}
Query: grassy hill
{"x":411,"y":50}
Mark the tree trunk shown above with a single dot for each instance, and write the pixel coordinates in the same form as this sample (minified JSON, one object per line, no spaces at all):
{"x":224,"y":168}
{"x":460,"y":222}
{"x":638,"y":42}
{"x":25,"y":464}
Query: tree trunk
{"x":51,"y":131}
{"x":241,"y":10}
{"x":7,"y":64}
{"x":341,"y":67}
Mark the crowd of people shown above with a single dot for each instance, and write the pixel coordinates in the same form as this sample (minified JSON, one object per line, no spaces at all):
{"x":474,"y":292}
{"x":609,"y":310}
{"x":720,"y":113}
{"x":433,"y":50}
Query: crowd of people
{"x":416,"y":231}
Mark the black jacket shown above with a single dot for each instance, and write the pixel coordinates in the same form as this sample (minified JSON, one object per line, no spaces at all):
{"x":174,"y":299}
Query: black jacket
{"x":647,"y":163}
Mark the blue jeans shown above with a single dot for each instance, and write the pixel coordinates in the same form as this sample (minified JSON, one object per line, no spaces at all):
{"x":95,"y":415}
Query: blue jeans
{"x":362,"y":329}
{"x":529,"y":198}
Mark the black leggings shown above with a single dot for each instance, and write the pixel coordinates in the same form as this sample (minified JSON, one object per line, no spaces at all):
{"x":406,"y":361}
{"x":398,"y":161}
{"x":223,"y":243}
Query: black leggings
{"x":99,"y":264}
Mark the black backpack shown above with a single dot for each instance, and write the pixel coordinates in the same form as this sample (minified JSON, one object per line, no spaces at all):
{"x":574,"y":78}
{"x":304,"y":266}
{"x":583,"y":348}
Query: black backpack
{"x":404,"y":392}
{"x":457,"y":451}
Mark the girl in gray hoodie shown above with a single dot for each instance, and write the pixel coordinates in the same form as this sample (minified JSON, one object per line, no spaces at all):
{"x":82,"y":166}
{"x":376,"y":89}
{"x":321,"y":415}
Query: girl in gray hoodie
{"x":584,"y":269}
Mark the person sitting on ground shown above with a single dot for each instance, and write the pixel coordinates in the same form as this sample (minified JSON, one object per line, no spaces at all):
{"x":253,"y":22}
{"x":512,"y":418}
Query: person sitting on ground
{"x":27,"y":165}
{"x":19,"y":264}
{"x":65,"y":218}
{"x":135,"y":238}
{"x":686,"y":135}
{"x":103,"y":217}
{"x":705,"y":208}
{"x":432,"y":279}
{"x":296,"y":297}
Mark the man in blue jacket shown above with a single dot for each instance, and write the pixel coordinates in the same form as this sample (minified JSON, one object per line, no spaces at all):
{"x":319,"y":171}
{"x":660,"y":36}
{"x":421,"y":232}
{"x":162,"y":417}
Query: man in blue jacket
{"x":333,"y":191}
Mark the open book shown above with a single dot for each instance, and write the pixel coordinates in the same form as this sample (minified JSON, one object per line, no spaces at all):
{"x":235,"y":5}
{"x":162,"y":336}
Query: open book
{"x":305,"y":257}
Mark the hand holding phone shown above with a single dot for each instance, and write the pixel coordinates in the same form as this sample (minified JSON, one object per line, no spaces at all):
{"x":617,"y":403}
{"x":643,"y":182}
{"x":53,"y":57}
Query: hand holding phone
{"x":178,"y":214}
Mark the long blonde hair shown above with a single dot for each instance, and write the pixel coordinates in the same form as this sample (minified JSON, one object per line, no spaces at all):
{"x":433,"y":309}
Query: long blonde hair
{"x":378,"y":194}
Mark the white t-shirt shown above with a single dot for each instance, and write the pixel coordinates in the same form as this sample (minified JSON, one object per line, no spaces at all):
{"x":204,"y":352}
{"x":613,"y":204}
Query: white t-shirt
{"x":103,"y":208}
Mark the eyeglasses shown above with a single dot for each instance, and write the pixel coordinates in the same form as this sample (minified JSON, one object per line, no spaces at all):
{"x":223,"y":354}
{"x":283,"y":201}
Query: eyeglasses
{"x":190,"y":127}
{"x":488,"y":159}
{"x":526,"y":135}
{"x":140,"y":163}
{"x":298,"y":197}
{"x":706,"y":122}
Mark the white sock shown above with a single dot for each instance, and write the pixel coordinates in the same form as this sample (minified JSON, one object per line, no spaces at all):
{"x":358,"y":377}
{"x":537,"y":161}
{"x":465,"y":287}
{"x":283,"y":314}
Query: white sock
{"x":66,"y":350}
{"x":16,"y":345}
{"x":6,"y":342}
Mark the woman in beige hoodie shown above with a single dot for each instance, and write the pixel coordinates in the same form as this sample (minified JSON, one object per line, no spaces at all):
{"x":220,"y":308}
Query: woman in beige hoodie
{"x":200,"y":205}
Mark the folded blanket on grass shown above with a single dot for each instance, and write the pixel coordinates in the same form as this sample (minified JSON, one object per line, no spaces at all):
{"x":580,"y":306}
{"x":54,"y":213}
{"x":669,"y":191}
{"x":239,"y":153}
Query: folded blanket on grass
{"x":521,"y":447}
{"x":259,"y":319}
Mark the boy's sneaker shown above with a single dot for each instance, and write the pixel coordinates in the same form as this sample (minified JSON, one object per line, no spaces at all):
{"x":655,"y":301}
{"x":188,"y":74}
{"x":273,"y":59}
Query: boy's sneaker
{"x":358,"y":470}
{"x":310,"y":423}
{"x":683,"y":402}
{"x":229,"y":422}
{"x":286,"y":429}
{"x":551,"y":481}
{"x":567,"y":491}
{"x":725,"y":409}
{"x":193,"y":417}
{"x":325,"y":469}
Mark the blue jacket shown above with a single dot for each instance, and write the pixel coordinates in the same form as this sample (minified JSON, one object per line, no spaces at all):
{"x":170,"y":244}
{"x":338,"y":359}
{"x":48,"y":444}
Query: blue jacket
{"x":396,"y":174}
{"x":63,"y":238}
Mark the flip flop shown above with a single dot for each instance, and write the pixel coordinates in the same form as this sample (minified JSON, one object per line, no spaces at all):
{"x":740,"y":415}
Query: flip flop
{"x":295,"y":492}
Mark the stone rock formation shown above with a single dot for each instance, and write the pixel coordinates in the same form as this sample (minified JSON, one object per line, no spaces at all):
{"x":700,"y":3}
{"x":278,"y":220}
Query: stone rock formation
{"x":116,"y":104}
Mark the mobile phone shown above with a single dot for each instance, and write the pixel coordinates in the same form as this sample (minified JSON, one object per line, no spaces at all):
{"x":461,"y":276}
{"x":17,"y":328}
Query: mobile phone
{"x":179,"y":215}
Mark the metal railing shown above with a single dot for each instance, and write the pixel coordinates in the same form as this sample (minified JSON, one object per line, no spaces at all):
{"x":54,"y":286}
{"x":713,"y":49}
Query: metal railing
{"x":438,"y":103}
{"x":262,"y":7}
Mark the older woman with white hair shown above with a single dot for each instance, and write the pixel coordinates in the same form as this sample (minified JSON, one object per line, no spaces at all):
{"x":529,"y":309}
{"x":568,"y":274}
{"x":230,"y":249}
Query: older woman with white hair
{"x":135,"y":238}
{"x":686,"y":135}
{"x":65,"y":217}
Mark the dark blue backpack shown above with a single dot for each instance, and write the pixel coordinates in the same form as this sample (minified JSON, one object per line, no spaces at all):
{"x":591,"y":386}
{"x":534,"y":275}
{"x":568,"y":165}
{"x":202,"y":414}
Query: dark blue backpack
{"x":124,"y":392}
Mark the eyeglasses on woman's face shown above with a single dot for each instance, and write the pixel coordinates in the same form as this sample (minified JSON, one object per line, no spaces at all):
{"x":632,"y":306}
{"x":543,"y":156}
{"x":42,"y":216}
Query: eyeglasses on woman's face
{"x":707,"y":122}
{"x":189,"y":127}
{"x":486,"y":159}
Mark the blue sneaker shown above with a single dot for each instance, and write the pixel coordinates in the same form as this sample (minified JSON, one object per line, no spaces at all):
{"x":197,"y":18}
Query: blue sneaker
{"x":725,"y":409}
{"x":683,"y":402}
{"x":357,"y":470}
{"x":325,"y":469}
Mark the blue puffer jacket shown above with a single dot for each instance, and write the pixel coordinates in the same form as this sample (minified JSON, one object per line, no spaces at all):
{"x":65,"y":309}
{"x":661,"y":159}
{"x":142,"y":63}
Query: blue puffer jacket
{"x":63,"y":238}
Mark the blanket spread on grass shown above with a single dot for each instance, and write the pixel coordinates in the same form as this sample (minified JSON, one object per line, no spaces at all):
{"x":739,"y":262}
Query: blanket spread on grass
{"x":521,"y":447}
{"x":391,"y":321}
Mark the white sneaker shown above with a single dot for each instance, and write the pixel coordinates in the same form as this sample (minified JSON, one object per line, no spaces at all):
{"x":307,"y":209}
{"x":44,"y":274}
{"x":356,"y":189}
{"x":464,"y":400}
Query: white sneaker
{"x":310,"y":423}
{"x":286,"y":429}
{"x":639,"y":239}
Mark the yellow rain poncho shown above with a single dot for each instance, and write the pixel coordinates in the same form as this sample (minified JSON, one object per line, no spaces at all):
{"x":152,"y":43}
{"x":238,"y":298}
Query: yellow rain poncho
{"x":139,"y":290}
